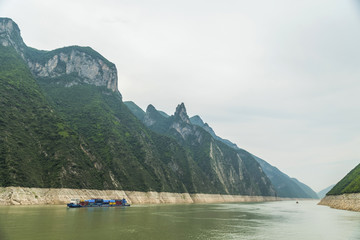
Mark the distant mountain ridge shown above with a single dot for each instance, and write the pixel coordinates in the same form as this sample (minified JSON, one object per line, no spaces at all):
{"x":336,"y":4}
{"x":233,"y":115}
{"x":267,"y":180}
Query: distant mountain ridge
{"x":323,"y":192}
{"x":283,"y":184}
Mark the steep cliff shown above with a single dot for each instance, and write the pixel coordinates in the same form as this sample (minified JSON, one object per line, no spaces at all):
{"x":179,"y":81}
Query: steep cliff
{"x":10,"y":36}
{"x":77,"y":64}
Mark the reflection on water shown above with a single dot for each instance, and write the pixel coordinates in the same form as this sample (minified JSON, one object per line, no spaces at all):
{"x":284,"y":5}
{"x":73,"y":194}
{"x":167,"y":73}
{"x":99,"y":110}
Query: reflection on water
{"x":270,"y":220}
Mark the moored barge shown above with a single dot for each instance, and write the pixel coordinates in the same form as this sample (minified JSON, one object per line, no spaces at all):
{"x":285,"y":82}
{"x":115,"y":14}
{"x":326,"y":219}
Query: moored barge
{"x":77,"y":203}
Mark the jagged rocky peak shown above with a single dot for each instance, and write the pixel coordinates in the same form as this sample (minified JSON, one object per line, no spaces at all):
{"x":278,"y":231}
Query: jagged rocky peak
{"x":10,"y":35}
{"x":181,"y":114}
{"x":150,"y":109}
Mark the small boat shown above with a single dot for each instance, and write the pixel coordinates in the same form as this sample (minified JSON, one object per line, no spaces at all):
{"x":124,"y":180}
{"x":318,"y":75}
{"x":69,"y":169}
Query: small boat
{"x":77,"y":203}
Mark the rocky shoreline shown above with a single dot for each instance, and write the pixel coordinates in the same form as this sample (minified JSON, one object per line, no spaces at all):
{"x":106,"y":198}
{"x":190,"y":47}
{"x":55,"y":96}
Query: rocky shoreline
{"x":349,"y":202}
{"x":54,"y":196}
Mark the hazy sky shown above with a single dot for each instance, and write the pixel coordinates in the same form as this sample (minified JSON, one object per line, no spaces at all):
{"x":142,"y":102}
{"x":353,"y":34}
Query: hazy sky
{"x":279,"y":78}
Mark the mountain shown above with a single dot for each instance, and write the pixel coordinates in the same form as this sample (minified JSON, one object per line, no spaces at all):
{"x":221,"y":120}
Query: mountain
{"x":232,"y":171}
{"x":282,"y":183}
{"x":349,"y":184}
{"x":63,"y":124}
{"x":323,"y":192}
{"x":37,"y":147}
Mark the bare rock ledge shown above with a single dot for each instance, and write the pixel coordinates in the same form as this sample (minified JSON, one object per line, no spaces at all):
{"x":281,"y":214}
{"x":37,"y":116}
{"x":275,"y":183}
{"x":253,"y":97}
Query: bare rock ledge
{"x":45,"y":196}
{"x":349,"y":202}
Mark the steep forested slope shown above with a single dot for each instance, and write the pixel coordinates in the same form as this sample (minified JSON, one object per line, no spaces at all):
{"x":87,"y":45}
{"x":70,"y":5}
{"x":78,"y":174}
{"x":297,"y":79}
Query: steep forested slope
{"x":37,"y":148}
{"x":349,"y":184}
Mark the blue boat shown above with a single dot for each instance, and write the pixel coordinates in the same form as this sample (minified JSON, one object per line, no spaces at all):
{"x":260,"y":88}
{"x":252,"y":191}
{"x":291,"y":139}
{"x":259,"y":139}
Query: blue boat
{"x":77,"y":203}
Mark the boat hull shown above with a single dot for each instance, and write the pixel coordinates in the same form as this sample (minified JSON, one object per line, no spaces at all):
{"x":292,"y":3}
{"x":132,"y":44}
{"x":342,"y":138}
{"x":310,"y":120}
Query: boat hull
{"x":70,"y":205}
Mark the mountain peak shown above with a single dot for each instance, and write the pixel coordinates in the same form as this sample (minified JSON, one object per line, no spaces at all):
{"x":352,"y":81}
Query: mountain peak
{"x":152,"y":116}
{"x":150,"y":108}
{"x":10,"y":35}
{"x":180,"y":113}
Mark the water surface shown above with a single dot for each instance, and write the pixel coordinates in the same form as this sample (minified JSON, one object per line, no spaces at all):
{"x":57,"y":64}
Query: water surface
{"x":268,"y":220}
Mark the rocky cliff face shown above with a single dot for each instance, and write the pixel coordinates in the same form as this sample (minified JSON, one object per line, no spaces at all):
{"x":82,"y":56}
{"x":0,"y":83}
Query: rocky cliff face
{"x":82,"y":64}
{"x":181,"y":124}
{"x":151,"y":115}
{"x":10,"y":36}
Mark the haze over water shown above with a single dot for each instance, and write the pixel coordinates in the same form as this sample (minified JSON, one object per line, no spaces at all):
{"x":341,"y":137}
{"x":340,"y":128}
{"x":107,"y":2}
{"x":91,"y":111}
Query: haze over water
{"x":269,"y":220}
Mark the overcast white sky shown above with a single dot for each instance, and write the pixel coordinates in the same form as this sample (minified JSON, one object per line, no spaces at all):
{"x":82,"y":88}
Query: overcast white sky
{"x":279,"y":78}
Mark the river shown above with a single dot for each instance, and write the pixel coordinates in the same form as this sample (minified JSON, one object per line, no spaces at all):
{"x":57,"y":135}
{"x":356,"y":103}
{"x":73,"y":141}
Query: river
{"x":267,"y":220}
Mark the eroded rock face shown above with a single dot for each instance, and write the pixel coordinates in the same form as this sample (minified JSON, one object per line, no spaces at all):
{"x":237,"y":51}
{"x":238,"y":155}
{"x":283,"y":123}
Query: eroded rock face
{"x":86,"y":64}
{"x":88,"y":69}
{"x":181,"y":113}
{"x":10,"y":35}
{"x":149,"y":118}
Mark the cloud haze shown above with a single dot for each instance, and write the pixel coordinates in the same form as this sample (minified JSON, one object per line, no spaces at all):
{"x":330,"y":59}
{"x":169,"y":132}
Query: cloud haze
{"x":279,"y":78}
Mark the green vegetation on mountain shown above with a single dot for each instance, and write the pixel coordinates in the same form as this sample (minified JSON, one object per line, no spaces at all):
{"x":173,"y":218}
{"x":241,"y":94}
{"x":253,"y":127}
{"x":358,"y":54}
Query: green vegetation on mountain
{"x":137,"y":111}
{"x":349,"y":184}
{"x":37,"y":147}
{"x":284,"y":185}
{"x":230,"y":171}
{"x":57,"y":130}
{"x":63,"y":124}
{"x":81,"y":137}
{"x":136,"y":158}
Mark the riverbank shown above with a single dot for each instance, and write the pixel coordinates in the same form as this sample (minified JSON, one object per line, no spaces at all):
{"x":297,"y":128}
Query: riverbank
{"x":56,"y":196}
{"x":349,"y":202}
